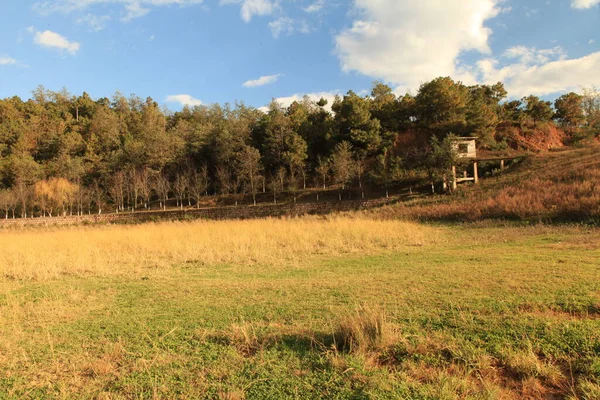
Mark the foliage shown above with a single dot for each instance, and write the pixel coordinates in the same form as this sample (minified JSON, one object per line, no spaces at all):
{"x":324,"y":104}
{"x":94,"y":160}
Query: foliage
{"x":130,"y":153}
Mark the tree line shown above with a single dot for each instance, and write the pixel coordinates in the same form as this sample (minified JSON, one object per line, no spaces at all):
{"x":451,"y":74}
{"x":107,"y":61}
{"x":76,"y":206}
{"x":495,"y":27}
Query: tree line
{"x":65,"y":154}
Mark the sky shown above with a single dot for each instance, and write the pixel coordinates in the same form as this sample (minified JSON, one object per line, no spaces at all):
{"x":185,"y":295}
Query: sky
{"x":217,"y":51}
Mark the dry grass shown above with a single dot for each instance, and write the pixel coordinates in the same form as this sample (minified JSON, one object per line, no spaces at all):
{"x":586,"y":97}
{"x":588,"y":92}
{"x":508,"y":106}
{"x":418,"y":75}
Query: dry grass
{"x":559,"y":186}
{"x":363,"y":332}
{"x":114,"y":250}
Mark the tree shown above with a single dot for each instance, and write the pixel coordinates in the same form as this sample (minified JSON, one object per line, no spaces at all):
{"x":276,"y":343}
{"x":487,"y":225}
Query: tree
{"x":356,"y":126}
{"x":116,"y":189}
{"x":483,"y":111}
{"x":323,"y":169}
{"x":250,"y":167}
{"x":282,"y":146}
{"x":386,"y":109}
{"x":7,"y":201}
{"x":537,"y":109}
{"x":512,"y":111}
{"x":440,"y":159}
{"x":569,"y":110}
{"x":143,"y":184}
{"x":57,"y":192}
{"x":226,"y":182}
{"x":199,"y":184}
{"x":180,"y":187}
{"x":388,"y":167}
{"x":42,"y":192}
{"x":342,"y":164}
{"x":591,"y":108}
{"x":97,"y":195}
{"x":442,"y":105}
{"x":23,"y":172}
{"x":275,"y":186}
{"x":162,"y":186}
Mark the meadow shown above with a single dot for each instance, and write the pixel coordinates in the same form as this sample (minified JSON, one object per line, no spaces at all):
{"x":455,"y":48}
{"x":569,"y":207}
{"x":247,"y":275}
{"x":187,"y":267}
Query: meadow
{"x":344,"y":307}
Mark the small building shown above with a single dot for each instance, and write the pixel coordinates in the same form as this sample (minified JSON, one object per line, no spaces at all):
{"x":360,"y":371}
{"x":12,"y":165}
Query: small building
{"x":465,"y":147}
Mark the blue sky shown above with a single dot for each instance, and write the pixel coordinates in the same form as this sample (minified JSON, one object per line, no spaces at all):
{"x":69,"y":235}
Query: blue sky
{"x":206,"y":51}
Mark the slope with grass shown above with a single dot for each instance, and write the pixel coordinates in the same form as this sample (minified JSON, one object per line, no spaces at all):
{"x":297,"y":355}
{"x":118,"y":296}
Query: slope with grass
{"x":305,"y":308}
{"x":555,"y":186}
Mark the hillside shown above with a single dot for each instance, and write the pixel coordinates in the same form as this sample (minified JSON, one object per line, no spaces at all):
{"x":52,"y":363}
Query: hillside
{"x":557,"y":186}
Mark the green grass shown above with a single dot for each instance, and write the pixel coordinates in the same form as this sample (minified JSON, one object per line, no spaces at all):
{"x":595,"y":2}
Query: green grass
{"x":487,"y":312}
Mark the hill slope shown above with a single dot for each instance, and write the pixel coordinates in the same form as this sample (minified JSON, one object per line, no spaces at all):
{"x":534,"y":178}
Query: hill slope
{"x":553,"y":186}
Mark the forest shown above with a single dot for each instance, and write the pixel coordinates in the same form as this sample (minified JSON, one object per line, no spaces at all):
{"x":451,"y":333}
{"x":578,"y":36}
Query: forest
{"x":61,"y":153}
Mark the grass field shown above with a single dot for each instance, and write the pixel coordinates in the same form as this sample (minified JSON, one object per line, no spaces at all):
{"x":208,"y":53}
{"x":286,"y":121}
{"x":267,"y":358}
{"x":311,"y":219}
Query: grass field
{"x":341,"y":307}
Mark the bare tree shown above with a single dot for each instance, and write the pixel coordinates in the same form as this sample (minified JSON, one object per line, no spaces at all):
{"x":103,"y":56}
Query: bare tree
{"x":97,"y":194}
{"x":360,"y":167}
{"x":226,"y":183}
{"x":87,"y":199}
{"x":198,"y":184}
{"x":303,"y":169}
{"x":7,"y":201}
{"x":342,"y":163}
{"x":323,"y":168}
{"x":162,"y":186}
{"x":134,"y":189}
{"x":116,"y":190}
{"x":281,"y":175}
{"x":274,"y":186}
{"x":180,"y":186}
{"x":22,"y":192}
{"x":143,"y":184}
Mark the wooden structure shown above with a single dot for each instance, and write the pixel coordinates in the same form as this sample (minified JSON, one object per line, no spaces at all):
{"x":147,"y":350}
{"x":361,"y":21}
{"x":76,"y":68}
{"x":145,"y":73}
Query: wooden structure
{"x":466,"y":149}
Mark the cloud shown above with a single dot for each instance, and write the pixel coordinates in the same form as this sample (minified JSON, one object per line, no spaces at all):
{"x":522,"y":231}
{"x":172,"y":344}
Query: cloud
{"x":132,"y":8}
{"x":315,"y":7}
{"x":54,"y":40}
{"x":282,"y":25}
{"x":263,"y":80}
{"x":538,"y":76}
{"x":531,"y":55}
{"x":287,"y":101}
{"x":7,"y":61}
{"x":583,"y":4}
{"x":250,"y":8}
{"x":409,"y":42}
{"x":133,"y":11}
{"x":95,"y":23}
{"x":184,"y":100}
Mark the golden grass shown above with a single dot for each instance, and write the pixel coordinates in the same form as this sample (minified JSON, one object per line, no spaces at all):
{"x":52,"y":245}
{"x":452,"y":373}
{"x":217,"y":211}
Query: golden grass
{"x":40,"y":254}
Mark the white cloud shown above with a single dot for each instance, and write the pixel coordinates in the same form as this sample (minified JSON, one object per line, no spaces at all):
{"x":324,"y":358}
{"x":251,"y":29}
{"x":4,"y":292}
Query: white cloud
{"x":133,"y":11}
{"x":409,"y":42}
{"x":54,"y":40}
{"x":95,"y":23}
{"x":250,"y":8}
{"x":315,"y":7}
{"x":263,"y":80}
{"x":592,"y":41}
{"x":7,"y":61}
{"x":531,"y":55}
{"x":541,"y":77}
{"x":132,"y":8}
{"x":282,"y":25}
{"x":184,"y":100}
{"x":582,"y":4}
{"x":287,"y":101}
